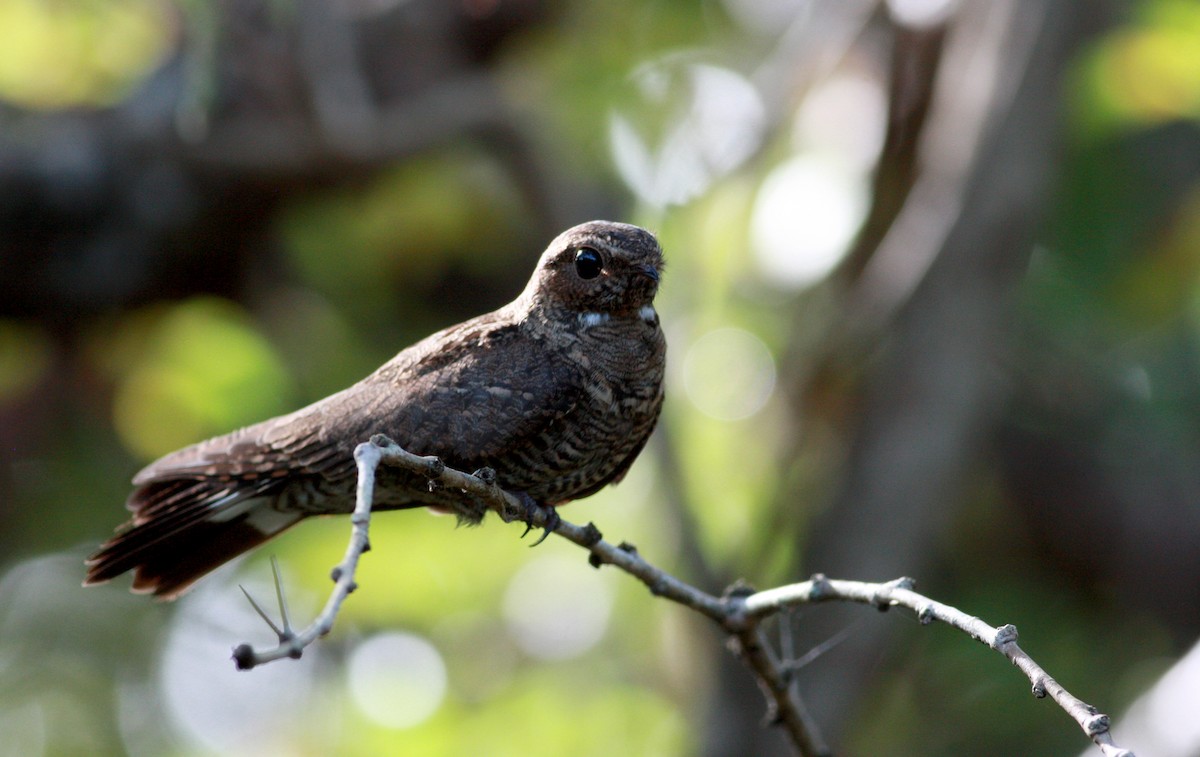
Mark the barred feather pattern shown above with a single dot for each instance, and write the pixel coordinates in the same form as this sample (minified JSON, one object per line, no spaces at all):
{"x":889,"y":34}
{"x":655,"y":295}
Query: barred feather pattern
{"x":557,"y":391}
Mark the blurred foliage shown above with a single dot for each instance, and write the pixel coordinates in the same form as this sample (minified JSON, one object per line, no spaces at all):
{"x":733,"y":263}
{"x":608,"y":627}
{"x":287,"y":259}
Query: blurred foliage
{"x":355,"y":266}
{"x":574,"y":73}
{"x":201,"y":366}
{"x":24,"y":357}
{"x":82,"y":52}
{"x":1145,"y":73}
{"x":433,"y":216}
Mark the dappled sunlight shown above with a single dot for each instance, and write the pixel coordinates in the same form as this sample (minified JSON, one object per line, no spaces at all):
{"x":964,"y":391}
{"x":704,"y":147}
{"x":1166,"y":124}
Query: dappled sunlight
{"x":715,"y":122}
{"x":913,"y":318}
{"x":406,"y":230}
{"x":494,"y":661}
{"x":843,"y":120}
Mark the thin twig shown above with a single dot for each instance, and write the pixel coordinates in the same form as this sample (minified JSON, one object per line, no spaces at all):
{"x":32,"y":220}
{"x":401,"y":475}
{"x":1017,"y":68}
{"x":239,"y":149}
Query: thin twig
{"x":785,"y":707}
{"x":899,"y":593}
{"x":261,"y":612}
{"x":740,"y":612}
{"x":367,"y":457}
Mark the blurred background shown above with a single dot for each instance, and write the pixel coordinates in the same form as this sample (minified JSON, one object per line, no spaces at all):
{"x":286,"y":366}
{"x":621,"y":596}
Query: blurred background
{"x":933,"y":308}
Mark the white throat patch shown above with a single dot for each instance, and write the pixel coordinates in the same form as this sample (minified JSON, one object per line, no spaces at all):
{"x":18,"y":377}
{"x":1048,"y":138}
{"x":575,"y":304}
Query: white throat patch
{"x":588,"y":319}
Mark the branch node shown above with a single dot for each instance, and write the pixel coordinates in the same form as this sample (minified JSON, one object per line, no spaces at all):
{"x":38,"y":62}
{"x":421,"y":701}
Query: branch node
{"x":1096,"y":724}
{"x":433,"y":468}
{"x":381,"y":440}
{"x":1005,"y":634}
{"x":881,"y":598}
{"x":788,"y":672}
{"x":522,"y":509}
{"x":739,"y":611}
{"x":820,"y":587}
{"x":243,"y":657}
{"x":774,"y":715}
{"x":591,"y":535}
{"x":739,"y":589}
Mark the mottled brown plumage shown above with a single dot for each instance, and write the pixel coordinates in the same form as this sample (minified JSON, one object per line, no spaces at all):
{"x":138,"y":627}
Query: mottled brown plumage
{"x":556,"y":391}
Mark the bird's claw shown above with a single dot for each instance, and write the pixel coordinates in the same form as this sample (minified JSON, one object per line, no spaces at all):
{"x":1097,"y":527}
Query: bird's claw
{"x":551,"y":524}
{"x":552,"y":521}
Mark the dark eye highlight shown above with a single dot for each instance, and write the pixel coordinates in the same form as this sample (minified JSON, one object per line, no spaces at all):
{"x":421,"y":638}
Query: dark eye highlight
{"x":588,"y":263}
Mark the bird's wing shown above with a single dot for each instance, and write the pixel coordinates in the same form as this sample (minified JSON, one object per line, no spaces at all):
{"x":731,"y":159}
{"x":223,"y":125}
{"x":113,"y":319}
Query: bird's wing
{"x":487,"y":392}
{"x":469,"y":394}
{"x":470,"y":400}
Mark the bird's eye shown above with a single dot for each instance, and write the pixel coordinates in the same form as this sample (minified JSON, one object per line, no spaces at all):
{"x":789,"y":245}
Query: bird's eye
{"x":588,"y":263}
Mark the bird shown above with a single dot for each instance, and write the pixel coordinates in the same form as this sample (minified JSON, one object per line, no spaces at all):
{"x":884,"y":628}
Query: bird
{"x":556,"y":392}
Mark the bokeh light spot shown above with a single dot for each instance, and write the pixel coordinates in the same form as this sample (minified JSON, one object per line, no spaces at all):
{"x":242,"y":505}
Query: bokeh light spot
{"x":62,"y":54}
{"x":214,"y":706}
{"x":845,"y":118}
{"x":921,"y":14}
{"x":204,"y":370}
{"x":807,"y":212}
{"x":557,"y":608}
{"x":398,"y":680}
{"x":714,"y":121}
{"x":728,"y":374}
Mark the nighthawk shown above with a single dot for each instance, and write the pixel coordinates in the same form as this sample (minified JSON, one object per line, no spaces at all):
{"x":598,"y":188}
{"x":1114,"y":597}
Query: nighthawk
{"x":556,"y":392}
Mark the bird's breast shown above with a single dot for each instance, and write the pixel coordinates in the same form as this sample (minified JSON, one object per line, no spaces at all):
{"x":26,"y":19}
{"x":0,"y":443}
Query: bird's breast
{"x":621,"y":367}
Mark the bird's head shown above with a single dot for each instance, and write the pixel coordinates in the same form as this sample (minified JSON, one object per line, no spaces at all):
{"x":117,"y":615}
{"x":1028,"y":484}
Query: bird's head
{"x":599,"y":269}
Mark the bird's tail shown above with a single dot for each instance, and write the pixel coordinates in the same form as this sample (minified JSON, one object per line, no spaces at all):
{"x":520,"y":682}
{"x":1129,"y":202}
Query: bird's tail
{"x":184,"y":528}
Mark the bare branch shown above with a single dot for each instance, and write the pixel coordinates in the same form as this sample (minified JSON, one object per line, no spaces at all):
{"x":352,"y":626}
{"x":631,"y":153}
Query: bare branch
{"x":899,"y":593}
{"x":785,"y":707}
{"x":739,"y":612}
{"x":510,"y":507}
{"x":367,"y":457}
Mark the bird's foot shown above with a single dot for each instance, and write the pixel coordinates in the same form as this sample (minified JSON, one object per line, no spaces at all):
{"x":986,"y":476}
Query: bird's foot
{"x":552,"y":519}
